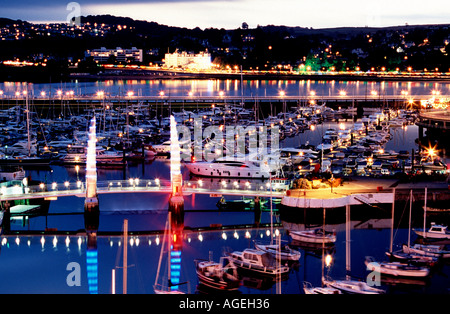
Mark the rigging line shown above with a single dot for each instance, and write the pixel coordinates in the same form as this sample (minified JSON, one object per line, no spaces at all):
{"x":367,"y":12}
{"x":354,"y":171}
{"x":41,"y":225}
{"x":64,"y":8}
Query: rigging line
{"x":166,"y":228}
{"x":401,"y":217}
{"x":39,"y":122}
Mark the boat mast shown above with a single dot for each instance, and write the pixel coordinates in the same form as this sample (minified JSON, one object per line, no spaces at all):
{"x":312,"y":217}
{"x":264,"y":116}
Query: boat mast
{"x":425,"y":213}
{"x":410,"y":210}
{"x":242,"y":89}
{"x":347,"y":241}
{"x":28,"y":122}
{"x":125,"y":254}
{"x":392,"y":222}
{"x":271,"y":211}
{"x":323,"y":249}
{"x":169,"y":248}
{"x":162,"y":250}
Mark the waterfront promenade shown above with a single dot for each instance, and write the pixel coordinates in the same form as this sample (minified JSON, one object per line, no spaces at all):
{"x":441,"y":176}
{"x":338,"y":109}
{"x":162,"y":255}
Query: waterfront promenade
{"x":354,"y":185}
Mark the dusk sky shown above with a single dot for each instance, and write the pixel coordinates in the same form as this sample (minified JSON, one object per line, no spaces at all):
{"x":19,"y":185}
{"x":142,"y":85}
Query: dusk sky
{"x":230,"y":14}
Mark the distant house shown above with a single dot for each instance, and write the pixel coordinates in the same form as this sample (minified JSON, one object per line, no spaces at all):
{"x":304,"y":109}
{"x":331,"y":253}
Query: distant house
{"x":102,"y":55}
{"x":200,"y":61}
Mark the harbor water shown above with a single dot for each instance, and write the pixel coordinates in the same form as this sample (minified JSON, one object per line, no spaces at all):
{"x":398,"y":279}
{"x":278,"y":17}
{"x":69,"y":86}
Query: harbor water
{"x":34,"y":261}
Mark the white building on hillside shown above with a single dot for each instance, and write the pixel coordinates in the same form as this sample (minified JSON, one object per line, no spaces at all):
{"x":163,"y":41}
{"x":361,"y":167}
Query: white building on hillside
{"x":200,"y":61}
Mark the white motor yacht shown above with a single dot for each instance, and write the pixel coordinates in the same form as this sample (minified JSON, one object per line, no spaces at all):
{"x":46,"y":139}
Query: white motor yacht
{"x":435,"y":232}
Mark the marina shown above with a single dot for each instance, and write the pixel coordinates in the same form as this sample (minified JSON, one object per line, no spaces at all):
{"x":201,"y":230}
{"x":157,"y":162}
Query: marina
{"x":321,"y":165}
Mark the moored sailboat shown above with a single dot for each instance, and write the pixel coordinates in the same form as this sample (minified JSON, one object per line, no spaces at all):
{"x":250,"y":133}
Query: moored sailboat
{"x":167,"y":286}
{"x":436,"y":231}
{"x":427,"y":250}
{"x":258,"y":262}
{"x":308,"y":288}
{"x":317,"y":235}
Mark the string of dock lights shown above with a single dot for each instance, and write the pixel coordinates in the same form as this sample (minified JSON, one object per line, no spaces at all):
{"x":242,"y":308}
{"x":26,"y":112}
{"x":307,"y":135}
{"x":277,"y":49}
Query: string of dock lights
{"x":100,"y":94}
{"x":60,"y":94}
{"x":235,"y":184}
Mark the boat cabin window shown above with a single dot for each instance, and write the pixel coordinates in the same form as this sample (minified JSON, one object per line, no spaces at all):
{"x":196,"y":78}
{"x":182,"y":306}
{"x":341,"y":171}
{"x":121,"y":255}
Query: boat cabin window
{"x":76,"y":150}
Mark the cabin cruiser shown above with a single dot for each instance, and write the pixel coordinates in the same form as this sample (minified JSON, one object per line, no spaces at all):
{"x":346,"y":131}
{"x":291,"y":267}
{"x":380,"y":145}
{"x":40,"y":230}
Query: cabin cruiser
{"x":427,"y":250}
{"x":258,"y":262}
{"x":9,"y":173}
{"x":309,"y":289}
{"x":316,"y":235}
{"x":22,"y":147}
{"x":397,"y":268}
{"x":435,"y":232}
{"x":165,"y":147}
{"x":352,"y":286}
{"x":220,"y":275}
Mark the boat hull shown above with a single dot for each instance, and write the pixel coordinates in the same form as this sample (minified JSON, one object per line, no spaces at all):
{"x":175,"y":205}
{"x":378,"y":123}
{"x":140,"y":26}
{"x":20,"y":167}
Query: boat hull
{"x":310,"y":237}
{"x":353,"y":287}
{"x":423,"y":250}
{"x":432,"y":235}
{"x":285,"y":254}
{"x":400,"y":271}
{"x":208,"y":170}
{"x":212,"y":275}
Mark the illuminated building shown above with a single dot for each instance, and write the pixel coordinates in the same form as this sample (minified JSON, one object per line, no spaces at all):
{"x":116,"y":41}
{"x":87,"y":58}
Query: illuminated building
{"x":200,"y":61}
{"x":103,"y":54}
